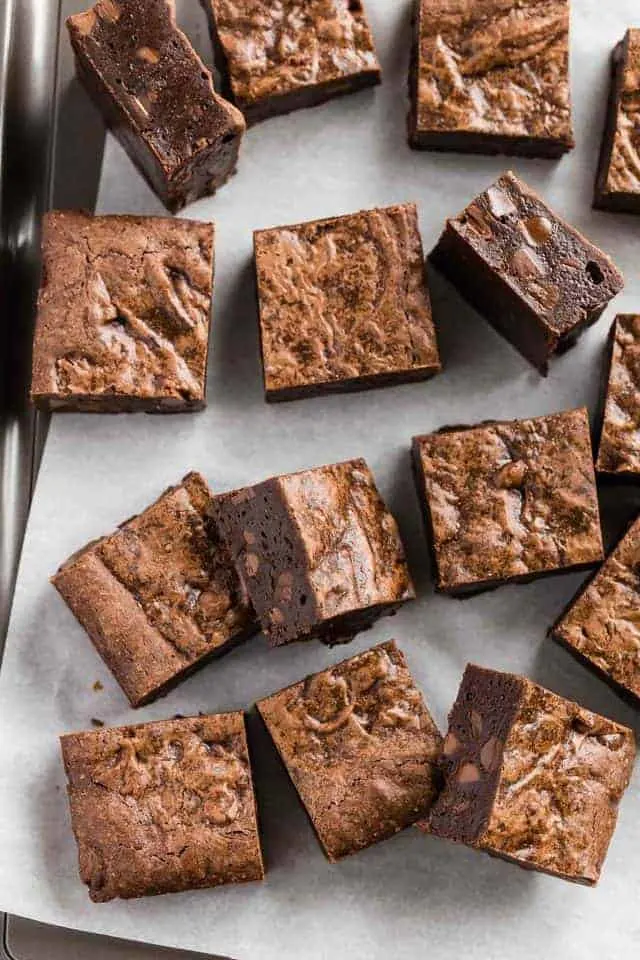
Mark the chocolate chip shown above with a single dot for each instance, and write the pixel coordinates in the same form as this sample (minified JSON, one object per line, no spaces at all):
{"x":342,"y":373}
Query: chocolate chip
{"x":468,"y":773}
{"x":500,"y":203}
{"x":251,"y":564}
{"x":450,"y":745}
{"x":489,"y":753}
{"x":476,"y":724}
{"x":536,"y":230}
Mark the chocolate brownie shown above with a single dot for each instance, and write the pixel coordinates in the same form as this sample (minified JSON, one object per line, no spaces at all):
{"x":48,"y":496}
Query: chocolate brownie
{"x":534,"y":278}
{"x":278,"y":57}
{"x":163,"y":807}
{"x":123,"y":314}
{"x":509,"y":501}
{"x":619,"y":441}
{"x":601,"y":626}
{"x":318,"y":552}
{"x":618,"y":178}
{"x":491,"y":76}
{"x":157,"y":96}
{"x":159,"y":597}
{"x":344,"y":304}
{"x":531,"y":777}
{"x":360,"y":747}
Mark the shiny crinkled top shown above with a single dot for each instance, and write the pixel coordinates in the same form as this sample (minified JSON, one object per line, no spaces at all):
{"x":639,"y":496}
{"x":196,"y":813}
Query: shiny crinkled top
{"x":619,"y":448}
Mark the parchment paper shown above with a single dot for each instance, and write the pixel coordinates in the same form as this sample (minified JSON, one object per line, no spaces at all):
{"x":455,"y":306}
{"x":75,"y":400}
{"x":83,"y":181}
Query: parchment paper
{"x":412,"y":896}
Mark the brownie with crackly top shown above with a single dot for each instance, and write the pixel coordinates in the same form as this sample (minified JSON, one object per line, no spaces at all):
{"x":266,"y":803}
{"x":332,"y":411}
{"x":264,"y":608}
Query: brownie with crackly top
{"x":531,"y":777}
{"x":534,"y":278}
{"x":123,"y":314}
{"x":275,"y":58}
{"x":601,"y":626}
{"x":157,"y":96}
{"x":360,"y":747}
{"x":163,"y":807}
{"x":619,"y":439}
{"x":618,"y":178}
{"x":344,"y":304}
{"x":160,"y":597}
{"x":491,"y":76}
{"x":318,"y":552}
{"x":509,"y":501}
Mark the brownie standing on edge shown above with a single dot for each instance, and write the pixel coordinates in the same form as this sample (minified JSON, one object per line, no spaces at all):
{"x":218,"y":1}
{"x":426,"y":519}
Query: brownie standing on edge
{"x":509,"y":501}
{"x":491,"y":76}
{"x":160,"y":596}
{"x":619,"y":443}
{"x":278,"y":57}
{"x":360,"y":747}
{"x":344,"y":304}
{"x":601,"y":626}
{"x":163,"y":807}
{"x":157,"y":96}
{"x":618,"y":178}
{"x":534,"y":278}
{"x":531,"y":777}
{"x":123,"y":314}
{"x":318,"y":552}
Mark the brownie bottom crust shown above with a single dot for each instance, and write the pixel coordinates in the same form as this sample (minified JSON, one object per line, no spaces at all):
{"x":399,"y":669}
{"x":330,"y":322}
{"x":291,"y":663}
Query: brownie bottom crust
{"x":487,"y":143}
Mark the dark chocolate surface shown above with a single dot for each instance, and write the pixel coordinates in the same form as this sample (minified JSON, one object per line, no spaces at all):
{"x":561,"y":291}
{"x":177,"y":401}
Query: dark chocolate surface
{"x":618,"y":179}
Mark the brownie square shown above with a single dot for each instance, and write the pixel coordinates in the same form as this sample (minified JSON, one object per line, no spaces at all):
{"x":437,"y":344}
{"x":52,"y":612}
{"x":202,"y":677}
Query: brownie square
{"x":531,"y":777}
{"x":534,"y":278}
{"x":123,"y":314}
{"x":618,"y":178}
{"x":318,"y":552}
{"x":344,"y":304}
{"x":601,"y":626}
{"x":163,"y":807}
{"x":360,"y":747}
{"x":279,"y":57}
{"x":160,"y":597}
{"x":157,"y":96}
{"x":619,"y":442}
{"x":509,"y":501}
{"x":491,"y":76}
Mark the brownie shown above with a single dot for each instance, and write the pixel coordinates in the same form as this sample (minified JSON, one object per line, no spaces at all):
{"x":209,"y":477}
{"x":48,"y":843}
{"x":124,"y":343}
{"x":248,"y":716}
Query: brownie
{"x":531,"y":777}
{"x":318,"y":552}
{"x":618,"y":177}
{"x":123,"y":314}
{"x":344,"y":304}
{"x":360,"y":747}
{"x":534,"y":278}
{"x":601,"y":626}
{"x":157,"y":96}
{"x":163,"y":807}
{"x":159,"y":597}
{"x":509,"y":501}
{"x":491,"y":76}
{"x":619,"y":440}
{"x":278,"y":57}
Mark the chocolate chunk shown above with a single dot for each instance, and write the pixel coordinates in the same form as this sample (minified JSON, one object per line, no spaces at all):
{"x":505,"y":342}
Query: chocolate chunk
{"x":278,"y":57}
{"x":601,"y":626}
{"x":618,"y":178}
{"x":619,"y":444}
{"x":534,"y":278}
{"x":163,"y":807}
{"x":344,"y":304}
{"x":123,"y":314}
{"x":360,"y":747}
{"x":509,"y":501}
{"x":157,"y":96}
{"x":159,"y":597}
{"x":540,"y":786}
{"x":328,"y":556}
{"x":491,"y":77}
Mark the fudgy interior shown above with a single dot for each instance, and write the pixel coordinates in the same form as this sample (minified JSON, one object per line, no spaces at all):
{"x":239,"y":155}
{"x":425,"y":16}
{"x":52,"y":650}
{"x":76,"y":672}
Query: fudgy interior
{"x":472,"y":752}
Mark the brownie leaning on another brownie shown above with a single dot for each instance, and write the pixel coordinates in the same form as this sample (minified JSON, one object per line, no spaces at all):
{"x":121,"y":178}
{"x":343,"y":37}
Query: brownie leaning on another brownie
{"x":163,"y":807}
{"x":534,"y":278}
{"x":159,"y":597}
{"x":360,"y":747}
{"x":317,"y":551}
{"x":157,"y":96}
{"x":531,"y":777}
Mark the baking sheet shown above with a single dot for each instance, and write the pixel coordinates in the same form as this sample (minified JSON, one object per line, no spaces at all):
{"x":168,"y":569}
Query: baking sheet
{"x":412,"y":894}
